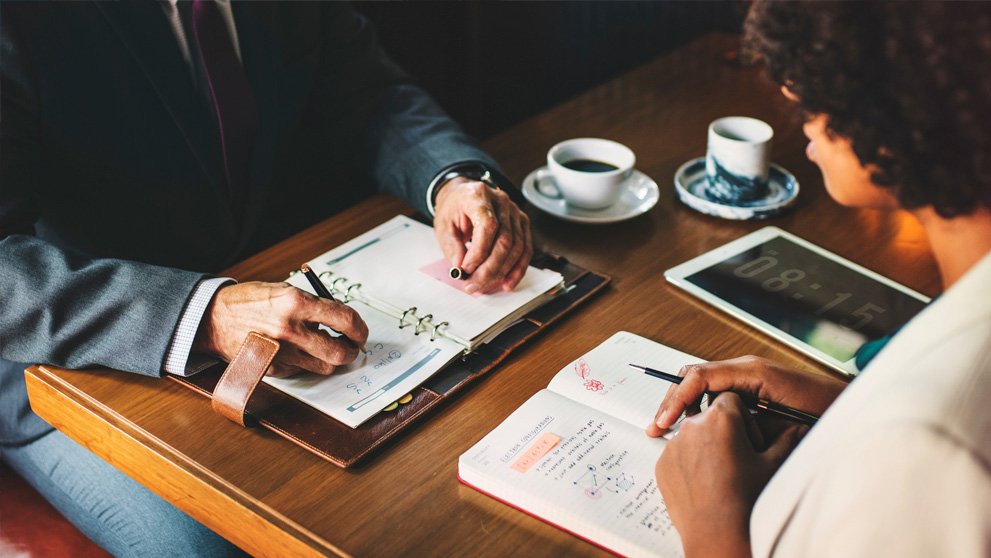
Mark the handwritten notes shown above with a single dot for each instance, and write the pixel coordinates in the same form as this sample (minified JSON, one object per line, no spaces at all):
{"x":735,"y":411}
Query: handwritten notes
{"x":594,"y":475}
{"x":537,"y":451}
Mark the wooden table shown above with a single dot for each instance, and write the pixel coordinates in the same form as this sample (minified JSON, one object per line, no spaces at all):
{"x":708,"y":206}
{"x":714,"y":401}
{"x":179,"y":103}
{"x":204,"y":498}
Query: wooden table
{"x":272,"y":498}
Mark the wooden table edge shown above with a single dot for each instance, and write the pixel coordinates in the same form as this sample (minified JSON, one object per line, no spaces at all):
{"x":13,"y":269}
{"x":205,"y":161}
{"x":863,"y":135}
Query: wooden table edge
{"x":260,"y":530}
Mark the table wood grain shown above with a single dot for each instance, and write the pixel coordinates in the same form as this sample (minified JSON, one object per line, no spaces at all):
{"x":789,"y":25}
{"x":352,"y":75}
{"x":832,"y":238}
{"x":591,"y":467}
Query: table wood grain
{"x":273,"y":498}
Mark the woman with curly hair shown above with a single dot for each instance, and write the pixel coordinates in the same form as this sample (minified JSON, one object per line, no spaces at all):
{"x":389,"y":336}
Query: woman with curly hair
{"x":897,"y":106}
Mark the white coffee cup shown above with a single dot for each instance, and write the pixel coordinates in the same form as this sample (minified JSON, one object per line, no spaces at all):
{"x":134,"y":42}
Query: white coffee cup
{"x":738,"y":158}
{"x":588,"y":173}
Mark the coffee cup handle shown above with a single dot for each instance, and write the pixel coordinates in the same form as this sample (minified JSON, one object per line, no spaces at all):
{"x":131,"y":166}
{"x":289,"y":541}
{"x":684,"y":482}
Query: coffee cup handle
{"x":543,"y":184}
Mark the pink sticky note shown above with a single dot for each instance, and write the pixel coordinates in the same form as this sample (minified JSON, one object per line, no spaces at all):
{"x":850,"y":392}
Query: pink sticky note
{"x":441,"y":271}
{"x":538,"y":450}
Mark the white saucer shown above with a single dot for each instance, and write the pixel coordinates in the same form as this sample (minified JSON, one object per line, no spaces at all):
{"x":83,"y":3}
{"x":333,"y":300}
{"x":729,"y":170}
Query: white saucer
{"x":640,"y":193}
{"x":690,"y":183}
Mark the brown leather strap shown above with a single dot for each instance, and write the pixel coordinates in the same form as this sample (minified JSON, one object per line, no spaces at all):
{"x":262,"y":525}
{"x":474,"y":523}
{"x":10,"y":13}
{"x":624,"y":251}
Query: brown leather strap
{"x":235,"y":387}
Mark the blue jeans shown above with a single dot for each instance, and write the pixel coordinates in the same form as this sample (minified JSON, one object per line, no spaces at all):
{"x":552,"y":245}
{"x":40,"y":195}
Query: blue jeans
{"x":117,"y":513}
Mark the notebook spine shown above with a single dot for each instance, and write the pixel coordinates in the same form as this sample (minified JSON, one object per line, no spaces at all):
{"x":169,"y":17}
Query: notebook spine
{"x":347,"y":291}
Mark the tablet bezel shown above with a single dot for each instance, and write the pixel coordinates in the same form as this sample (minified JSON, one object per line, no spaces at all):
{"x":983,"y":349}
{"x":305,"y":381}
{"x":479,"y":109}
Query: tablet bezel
{"x":678,"y":276}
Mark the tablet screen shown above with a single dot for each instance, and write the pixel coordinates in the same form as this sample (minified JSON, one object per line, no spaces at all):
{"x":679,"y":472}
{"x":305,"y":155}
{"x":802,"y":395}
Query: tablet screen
{"x":809,"y":296}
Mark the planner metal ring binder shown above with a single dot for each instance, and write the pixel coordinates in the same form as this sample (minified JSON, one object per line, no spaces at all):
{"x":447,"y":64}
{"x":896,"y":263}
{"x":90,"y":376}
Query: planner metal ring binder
{"x":348,"y":291}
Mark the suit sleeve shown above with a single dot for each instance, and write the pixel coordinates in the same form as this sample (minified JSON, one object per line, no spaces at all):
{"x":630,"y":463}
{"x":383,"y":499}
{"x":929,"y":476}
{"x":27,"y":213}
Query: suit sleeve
{"x":60,"y":307}
{"x":402,"y":138}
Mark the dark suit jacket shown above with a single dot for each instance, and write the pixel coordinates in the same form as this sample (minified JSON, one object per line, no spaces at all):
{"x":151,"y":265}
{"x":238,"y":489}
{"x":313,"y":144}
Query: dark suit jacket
{"x":112,"y":192}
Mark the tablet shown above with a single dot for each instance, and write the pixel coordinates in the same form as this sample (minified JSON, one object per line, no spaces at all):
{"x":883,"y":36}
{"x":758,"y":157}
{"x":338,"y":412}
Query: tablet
{"x":800,"y":294}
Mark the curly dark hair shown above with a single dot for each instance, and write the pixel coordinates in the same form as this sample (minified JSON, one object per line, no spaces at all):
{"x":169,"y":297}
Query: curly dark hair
{"x":909,"y":83}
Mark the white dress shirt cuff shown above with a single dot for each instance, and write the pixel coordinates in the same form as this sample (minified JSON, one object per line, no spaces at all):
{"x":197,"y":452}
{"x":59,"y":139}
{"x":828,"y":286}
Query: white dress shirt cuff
{"x":178,"y":360}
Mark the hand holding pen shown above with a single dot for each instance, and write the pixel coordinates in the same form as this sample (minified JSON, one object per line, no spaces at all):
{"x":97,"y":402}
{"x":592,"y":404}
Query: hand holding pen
{"x":753,"y":378}
{"x":289,"y":315}
{"x":483,"y":234}
{"x":322,"y":291}
{"x":753,"y":403}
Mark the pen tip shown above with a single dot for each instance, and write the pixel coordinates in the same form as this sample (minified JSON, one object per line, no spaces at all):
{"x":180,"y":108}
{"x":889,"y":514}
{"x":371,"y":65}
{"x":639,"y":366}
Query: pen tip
{"x":305,"y":268}
{"x":637,"y":366}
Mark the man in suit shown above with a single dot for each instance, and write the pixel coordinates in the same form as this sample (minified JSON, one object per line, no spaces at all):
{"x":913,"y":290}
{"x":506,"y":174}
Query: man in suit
{"x":144,"y":145}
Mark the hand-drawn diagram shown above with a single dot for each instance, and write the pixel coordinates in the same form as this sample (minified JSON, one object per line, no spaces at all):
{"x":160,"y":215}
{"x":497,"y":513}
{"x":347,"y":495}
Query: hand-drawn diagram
{"x":623,"y":483}
{"x":594,"y":483}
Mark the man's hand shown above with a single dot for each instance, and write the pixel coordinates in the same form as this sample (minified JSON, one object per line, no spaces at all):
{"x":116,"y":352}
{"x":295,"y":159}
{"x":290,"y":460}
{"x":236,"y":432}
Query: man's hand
{"x":711,"y":473}
{"x":750,"y":375}
{"x":288,"y":315}
{"x":499,"y":232}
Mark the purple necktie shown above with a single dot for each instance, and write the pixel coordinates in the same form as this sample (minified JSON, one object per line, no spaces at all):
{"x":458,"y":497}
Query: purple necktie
{"x":233,"y":102}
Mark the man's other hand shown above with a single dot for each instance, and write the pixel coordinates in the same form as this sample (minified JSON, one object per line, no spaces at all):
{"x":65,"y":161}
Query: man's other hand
{"x":483,"y":232}
{"x":288,"y":315}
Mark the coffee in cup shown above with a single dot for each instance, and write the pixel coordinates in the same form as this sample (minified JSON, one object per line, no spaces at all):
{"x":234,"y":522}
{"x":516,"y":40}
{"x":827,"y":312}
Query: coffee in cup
{"x":588,"y":173}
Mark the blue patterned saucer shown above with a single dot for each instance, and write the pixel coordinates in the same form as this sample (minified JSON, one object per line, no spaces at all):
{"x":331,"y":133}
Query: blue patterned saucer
{"x":691,"y":185}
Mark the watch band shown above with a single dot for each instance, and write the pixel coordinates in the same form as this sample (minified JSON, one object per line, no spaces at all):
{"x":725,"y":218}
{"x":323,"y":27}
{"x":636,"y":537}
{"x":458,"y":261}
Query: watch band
{"x":472,"y":170}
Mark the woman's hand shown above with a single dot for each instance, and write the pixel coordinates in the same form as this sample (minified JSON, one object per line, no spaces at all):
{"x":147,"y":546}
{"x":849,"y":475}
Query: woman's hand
{"x":749,"y":375}
{"x":288,"y":315}
{"x":711,"y":473}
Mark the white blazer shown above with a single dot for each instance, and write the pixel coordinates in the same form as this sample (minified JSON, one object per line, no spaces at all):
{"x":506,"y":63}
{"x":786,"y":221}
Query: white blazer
{"x":900,"y":465}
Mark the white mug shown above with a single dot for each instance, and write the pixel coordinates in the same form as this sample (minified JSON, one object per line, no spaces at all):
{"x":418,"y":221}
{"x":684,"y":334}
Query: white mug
{"x":738,"y":158}
{"x":588,"y":173}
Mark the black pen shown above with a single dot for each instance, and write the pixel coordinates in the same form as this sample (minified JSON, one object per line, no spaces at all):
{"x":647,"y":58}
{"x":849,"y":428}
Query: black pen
{"x":322,"y":292}
{"x":760,"y":404}
{"x":318,"y":287}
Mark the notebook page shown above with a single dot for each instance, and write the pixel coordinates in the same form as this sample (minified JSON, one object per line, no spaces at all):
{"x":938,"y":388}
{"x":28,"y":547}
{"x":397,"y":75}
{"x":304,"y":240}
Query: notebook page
{"x":388,"y":262}
{"x":579,"y":469}
{"x":397,"y":361}
{"x":602,"y":380}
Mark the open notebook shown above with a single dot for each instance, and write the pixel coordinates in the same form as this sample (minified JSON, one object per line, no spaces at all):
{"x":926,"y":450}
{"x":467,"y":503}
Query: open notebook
{"x":419,"y":319}
{"x":575,"y":454}
{"x":376,"y":386}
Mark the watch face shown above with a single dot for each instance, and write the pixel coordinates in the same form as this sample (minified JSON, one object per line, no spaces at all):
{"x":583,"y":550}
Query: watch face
{"x":811,"y":297}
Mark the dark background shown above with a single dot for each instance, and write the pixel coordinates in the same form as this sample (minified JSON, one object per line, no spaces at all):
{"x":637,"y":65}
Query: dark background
{"x":493,"y":64}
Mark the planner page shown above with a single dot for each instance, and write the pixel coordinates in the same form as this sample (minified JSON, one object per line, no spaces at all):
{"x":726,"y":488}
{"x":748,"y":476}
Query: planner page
{"x":580,"y":469}
{"x":400,"y":262}
{"x":603,"y":379}
{"x":395,"y":362}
